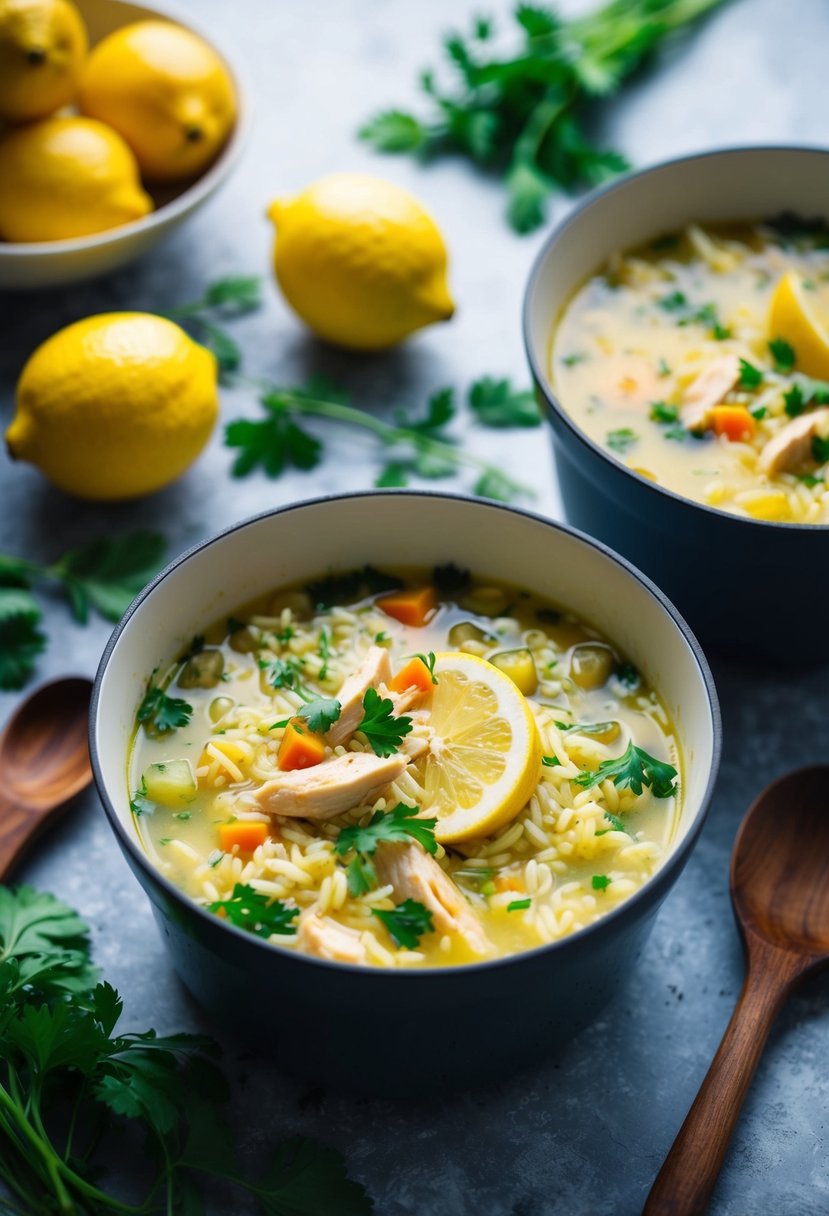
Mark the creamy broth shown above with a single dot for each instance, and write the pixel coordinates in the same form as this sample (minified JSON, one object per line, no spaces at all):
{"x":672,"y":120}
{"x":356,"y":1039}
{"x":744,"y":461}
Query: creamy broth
{"x":628,"y":354}
{"x":567,"y":856}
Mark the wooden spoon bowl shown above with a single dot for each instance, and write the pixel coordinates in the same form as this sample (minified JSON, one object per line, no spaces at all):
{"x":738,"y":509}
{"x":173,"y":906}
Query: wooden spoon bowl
{"x":44,"y":761}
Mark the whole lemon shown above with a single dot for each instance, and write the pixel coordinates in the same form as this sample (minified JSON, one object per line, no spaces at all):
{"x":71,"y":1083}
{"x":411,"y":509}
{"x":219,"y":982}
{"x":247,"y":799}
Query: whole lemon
{"x":66,"y":177}
{"x":360,"y":260}
{"x":115,"y":406}
{"x":166,"y":91}
{"x":42,"y":49}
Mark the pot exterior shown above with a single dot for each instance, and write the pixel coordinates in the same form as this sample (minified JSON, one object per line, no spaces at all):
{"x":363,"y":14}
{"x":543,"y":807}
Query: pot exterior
{"x":453,"y":1029}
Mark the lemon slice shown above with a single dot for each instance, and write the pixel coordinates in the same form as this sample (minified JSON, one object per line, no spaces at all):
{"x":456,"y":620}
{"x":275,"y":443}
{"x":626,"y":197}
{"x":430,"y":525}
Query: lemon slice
{"x":484,"y":759}
{"x":792,"y":316}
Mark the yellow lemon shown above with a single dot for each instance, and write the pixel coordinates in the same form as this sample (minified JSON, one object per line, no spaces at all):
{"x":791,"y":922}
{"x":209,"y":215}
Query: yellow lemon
{"x":42,"y":50}
{"x":360,"y":261}
{"x":793,"y":316}
{"x":66,"y":177}
{"x":484,"y":759}
{"x":166,"y":92}
{"x":115,"y":406}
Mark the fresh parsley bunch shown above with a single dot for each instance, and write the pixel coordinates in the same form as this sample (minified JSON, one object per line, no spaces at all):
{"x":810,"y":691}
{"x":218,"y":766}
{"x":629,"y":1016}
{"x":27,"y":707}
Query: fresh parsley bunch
{"x":69,"y":1078}
{"x":524,"y":113}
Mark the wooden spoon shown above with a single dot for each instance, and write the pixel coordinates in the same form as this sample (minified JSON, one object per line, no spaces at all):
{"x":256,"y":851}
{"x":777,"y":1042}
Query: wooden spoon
{"x":780,"y":894}
{"x":44,"y":760}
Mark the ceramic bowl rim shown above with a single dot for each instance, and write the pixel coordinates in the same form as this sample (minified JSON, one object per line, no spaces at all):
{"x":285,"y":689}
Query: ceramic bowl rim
{"x":661,"y":881}
{"x":197,"y":191}
{"x":541,"y":379}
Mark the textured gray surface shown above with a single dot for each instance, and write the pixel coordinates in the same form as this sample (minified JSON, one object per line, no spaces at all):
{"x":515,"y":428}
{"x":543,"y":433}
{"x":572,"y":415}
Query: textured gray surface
{"x":582,"y":1135}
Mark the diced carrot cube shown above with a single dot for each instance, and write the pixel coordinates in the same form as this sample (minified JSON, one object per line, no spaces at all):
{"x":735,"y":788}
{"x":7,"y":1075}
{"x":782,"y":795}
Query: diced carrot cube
{"x":508,"y":882}
{"x":300,"y":747}
{"x":733,"y":421}
{"x":414,"y":674}
{"x":410,"y":607}
{"x":247,"y":835}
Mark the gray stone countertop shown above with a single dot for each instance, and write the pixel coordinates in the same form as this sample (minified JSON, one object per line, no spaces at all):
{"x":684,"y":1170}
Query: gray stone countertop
{"x":584,"y":1132}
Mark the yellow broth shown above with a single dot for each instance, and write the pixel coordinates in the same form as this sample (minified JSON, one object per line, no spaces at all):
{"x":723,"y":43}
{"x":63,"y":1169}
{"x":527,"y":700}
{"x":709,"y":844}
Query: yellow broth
{"x":636,"y":336}
{"x":554,"y":862}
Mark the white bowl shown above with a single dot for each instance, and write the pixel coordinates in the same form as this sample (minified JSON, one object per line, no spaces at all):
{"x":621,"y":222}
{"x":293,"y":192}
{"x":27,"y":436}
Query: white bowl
{"x":55,"y":263}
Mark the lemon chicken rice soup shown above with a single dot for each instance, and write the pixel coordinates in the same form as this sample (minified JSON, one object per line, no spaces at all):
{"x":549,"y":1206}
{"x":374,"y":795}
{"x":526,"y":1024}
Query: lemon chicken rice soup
{"x":701,"y":361}
{"x":404,"y":769}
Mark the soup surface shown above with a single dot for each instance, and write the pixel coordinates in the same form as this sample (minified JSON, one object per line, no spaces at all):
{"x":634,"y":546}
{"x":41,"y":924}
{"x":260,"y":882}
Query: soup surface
{"x":699,"y":361}
{"x":404,"y":769}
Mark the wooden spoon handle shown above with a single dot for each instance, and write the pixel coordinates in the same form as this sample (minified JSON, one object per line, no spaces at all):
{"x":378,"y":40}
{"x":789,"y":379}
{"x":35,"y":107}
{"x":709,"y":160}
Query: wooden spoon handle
{"x":18,"y":825}
{"x":686,"y":1180}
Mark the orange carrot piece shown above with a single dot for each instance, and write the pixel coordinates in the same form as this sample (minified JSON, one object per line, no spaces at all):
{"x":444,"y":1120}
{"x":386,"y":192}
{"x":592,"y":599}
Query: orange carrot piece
{"x":300,"y":747}
{"x":414,"y":674}
{"x":410,"y":607}
{"x":508,"y":882}
{"x":248,"y":836}
{"x":733,"y":421}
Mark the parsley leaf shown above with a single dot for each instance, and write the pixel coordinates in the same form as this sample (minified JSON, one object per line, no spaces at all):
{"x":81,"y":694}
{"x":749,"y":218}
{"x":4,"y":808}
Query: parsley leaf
{"x":140,"y":804}
{"x":621,"y":439}
{"x":634,"y":769}
{"x":381,"y":728}
{"x":750,"y":376}
{"x":20,"y":644}
{"x":273,"y":444}
{"x":496,"y":403}
{"x":47,"y":942}
{"x":600,"y":882}
{"x":794,"y":401}
{"x":661,"y":411}
{"x":783,"y":354}
{"x":258,"y":913}
{"x":394,"y":131}
{"x":320,"y":713}
{"x":161,"y":714}
{"x":407,"y":923}
{"x":281,"y":673}
{"x":398,"y":825}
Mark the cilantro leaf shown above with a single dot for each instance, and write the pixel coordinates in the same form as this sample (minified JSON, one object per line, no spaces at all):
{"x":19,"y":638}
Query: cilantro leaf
{"x":496,"y":403}
{"x":634,"y":769}
{"x":161,"y":714}
{"x":407,"y":923}
{"x":783,"y":354}
{"x":320,"y":713}
{"x":401,"y":824}
{"x":258,"y":913}
{"x":750,"y":376}
{"x":381,"y":728}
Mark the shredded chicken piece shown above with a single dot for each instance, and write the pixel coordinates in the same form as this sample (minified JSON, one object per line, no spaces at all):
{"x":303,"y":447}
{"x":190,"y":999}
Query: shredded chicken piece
{"x":792,"y":444}
{"x":708,"y":390}
{"x":327,"y":789}
{"x":416,"y":875}
{"x":374,"y":669}
{"x":326,"y":938}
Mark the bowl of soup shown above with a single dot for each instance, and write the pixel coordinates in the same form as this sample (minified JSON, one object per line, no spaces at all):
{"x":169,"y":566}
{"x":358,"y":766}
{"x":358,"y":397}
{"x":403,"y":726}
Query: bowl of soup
{"x":410,"y":760}
{"x":677,"y":326}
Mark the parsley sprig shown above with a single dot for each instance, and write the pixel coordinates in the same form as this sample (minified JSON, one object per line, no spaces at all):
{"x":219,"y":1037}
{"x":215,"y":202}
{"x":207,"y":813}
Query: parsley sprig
{"x":419,"y":446}
{"x":525,"y":114}
{"x":398,"y":825}
{"x":161,"y":714}
{"x":407,"y":923}
{"x":250,"y":909}
{"x":69,"y":1078}
{"x":634,"y":769}
{"x":105,"y":574}
{"x":223,"y":300}
{"x":382,"y":729}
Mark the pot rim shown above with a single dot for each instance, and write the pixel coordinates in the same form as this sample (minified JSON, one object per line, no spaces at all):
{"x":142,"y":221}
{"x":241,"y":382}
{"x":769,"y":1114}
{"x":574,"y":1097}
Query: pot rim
{"x":560,"y":233}
{"x":653,"y":890}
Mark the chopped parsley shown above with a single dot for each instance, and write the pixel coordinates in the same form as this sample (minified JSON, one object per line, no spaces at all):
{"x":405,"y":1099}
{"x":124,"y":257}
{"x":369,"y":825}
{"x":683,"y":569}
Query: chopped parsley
{"x":820,"y":449}
{"x":550,"y":761}
{"x":407,"y":923}
{"x":803,"y":393}
{"x":518,"y":905}
{"x":634,"y":769}
{"x":281,"y":673}
{"x":160,"y":714}
{"x":324,"y":651}
{"x":750,"y":376}
{"x":663,"y":368}
{"x":783,"y":354}
{"x":399,"y":825}
{"x":258,"y":913}
{"x":381,"y":728}
{"x":140,"y":804}
{"x":320,"y":713}
{"x":496,"y":403}
{"x":621,"y":439}
{"x":600,"y":882}
{"x":572,"y":360}
{"x":674,"y":302}
{"x":661,"y":411}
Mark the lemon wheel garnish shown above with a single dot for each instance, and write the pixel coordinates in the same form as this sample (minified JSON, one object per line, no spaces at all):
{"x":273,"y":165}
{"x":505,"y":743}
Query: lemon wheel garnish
{"x":485,"y":756}
{"x":793,"y":316}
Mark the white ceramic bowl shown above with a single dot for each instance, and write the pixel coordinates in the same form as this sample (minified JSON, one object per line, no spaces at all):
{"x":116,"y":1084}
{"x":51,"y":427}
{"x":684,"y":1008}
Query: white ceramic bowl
{"x":55,"y":263}
{"x":544,"y":995}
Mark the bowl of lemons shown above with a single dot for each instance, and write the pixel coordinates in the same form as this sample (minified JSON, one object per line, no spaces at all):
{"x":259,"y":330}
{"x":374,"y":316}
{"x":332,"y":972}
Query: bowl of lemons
{"x":116,"y":123}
